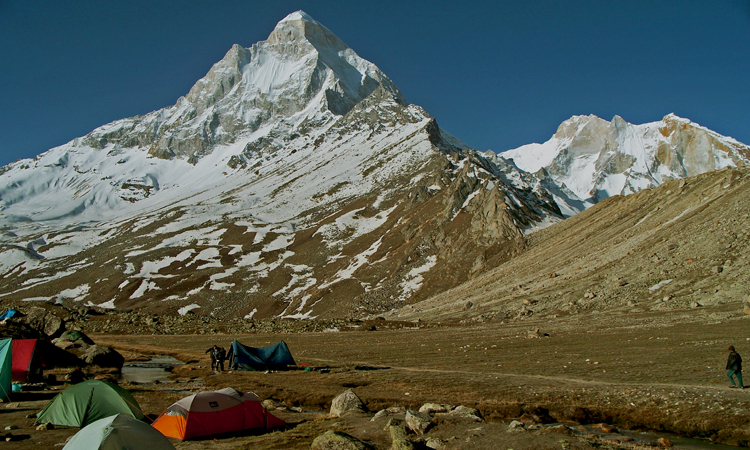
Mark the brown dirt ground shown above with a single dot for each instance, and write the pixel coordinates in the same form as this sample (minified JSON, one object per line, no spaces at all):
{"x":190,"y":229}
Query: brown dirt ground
{"x":635,"y":372}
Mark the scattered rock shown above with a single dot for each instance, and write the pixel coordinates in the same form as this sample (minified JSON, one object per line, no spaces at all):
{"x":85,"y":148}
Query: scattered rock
{"x":400,"y":439}
{"x":517,"y":425}
{"x":346,"y":402}
{"x":45,"y":426}
{"x":379,"y":415}
{"x":435,"y":443}
{"x":467,"y":413}
{"x":664,"y":442}
{"x":44,"y":321}
{"x":336,"y":440}
{"x":102,"y":356}
{"x":432,"y":408}
{"x":560,"y":429}
{"x":418,"y":422}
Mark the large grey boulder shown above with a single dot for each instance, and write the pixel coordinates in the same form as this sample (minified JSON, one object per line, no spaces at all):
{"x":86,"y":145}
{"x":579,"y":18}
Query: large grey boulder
{"x":44,"y":321}
{"x":336,"y":440}
{"x":347,"y":402}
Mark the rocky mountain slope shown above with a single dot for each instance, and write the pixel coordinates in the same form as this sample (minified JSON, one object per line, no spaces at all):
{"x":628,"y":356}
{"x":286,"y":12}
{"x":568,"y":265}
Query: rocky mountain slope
{"x":293,"y":180}
{"x":589,"y":159}
{"x":681,"y":245}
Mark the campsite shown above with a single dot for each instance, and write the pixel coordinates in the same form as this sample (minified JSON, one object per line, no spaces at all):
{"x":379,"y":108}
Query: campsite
{"x":614,"y":384}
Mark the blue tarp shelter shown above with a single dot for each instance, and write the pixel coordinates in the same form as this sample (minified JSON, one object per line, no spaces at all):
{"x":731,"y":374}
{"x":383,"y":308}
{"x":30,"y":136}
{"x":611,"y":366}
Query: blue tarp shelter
{"x":273,"y":357}
{"x":9,"y":313}
{"x":6,"y":367}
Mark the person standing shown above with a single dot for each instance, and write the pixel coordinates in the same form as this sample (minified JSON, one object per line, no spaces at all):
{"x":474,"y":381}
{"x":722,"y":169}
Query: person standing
{"x":213,"y":352}
{"x":734,"y":368}
{"x":222,"y":355}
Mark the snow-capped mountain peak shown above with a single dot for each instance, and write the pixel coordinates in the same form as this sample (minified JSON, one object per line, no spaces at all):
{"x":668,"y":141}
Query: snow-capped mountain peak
{"x":292,"y":180}
{"x":594,"y":159}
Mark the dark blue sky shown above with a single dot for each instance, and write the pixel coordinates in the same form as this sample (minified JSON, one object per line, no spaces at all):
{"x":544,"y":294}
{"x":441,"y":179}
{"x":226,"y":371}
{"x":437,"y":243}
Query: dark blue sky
{"x":495,"y":74}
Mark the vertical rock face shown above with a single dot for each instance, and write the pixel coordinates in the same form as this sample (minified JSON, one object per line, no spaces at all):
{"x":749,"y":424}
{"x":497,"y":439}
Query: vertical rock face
{"x":595,"y":159}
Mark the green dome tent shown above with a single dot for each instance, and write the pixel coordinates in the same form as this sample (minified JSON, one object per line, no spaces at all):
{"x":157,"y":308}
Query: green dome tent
{"x":273,"y":357}
{"x":87,"y":402}
{"x":120,"y":432}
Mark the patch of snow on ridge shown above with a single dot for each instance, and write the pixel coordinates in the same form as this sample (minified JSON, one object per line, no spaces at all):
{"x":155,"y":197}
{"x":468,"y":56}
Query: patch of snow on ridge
{"x":212,"y":257}
{"x":216,"y":286}
{"x":357,"y":262}
{"x":414,"y":278}
{"x":352,"y":223}
{"x":186,"y":309}
{"x":76,"y":293}
{"x":107,"y":305}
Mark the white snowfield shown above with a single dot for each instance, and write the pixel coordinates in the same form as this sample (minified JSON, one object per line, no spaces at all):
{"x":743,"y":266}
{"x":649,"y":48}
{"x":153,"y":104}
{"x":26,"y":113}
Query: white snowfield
{"x":275,"y":139}
{"x":596,"y":159}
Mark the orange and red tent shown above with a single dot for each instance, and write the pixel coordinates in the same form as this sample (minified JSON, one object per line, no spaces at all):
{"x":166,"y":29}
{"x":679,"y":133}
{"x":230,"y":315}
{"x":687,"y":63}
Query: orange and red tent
{"x":215,"y":412}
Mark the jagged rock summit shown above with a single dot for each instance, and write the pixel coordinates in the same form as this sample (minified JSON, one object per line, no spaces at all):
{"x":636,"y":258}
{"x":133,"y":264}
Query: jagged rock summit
{"x":293,"y":180}
{"x":589,"y":159}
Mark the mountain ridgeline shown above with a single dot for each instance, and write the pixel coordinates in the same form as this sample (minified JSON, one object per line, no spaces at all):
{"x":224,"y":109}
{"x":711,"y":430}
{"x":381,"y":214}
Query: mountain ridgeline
{"x":294,"y":180}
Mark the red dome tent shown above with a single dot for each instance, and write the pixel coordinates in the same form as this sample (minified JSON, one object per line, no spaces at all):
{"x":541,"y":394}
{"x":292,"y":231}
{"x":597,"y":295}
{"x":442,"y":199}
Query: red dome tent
{"x":27,"y":366}
{"x":212,"y":413}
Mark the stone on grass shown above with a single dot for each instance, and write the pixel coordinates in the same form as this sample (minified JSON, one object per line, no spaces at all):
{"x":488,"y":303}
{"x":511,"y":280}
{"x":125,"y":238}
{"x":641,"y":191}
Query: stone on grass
{"x":102,"y":356}
{"x":431,"y":408}
{"x":466,"y":412}
{"x":400,"y":439}
{"x":516,"y":425}
{"x":418,"y":422}
{"x":435,"y":443}
{"x":336,"y":440}
{"x":346,"y":402}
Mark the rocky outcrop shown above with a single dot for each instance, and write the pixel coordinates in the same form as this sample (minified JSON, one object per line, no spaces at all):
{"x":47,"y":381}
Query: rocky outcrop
{"x":44,"y":321}
{"x":345,"y":403}
{"x":336,"y":440}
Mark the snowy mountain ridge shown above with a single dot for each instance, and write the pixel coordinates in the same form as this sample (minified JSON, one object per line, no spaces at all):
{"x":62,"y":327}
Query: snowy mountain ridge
{"x":593,"y":159}
{"x":292,"y":180}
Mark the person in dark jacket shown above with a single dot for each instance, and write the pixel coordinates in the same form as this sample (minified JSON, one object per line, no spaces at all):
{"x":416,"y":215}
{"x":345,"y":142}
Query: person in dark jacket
{"x":734,"y":368}
{"x":213,"y":352}
{"x":222,"y":355}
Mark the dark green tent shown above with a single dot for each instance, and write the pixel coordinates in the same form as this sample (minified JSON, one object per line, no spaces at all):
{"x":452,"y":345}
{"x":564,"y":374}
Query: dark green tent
{"x":273,"y":357}
{"x":6,"y":367}
{"x":87,"y":402}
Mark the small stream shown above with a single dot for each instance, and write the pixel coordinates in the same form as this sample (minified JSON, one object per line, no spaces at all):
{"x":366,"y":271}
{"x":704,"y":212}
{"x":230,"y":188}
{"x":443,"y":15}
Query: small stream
{"x":650,"y":438}
{"x":149,"y":371}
